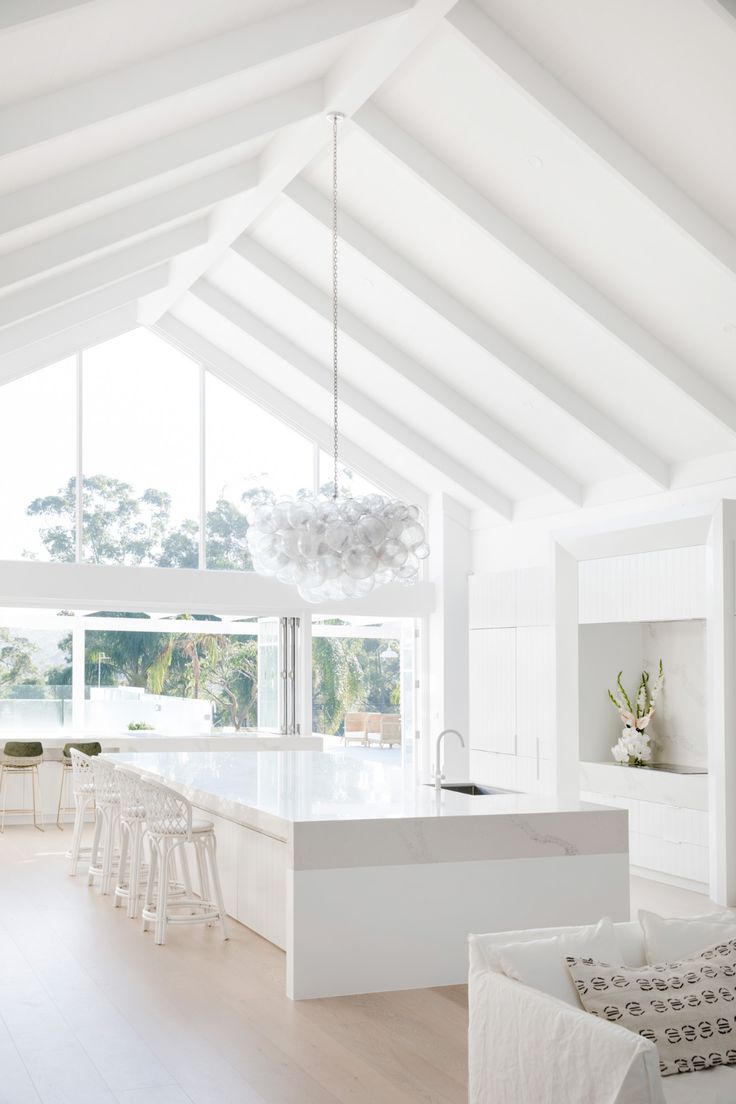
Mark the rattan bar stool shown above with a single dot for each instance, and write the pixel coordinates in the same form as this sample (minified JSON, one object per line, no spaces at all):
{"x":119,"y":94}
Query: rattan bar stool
{"x":21,"y":758}
{"x":83,"y":789}
{"x":170,"y":827}
{"x":67,"y":773}
{"x":129,"y":886}
{"x":107,"y":822}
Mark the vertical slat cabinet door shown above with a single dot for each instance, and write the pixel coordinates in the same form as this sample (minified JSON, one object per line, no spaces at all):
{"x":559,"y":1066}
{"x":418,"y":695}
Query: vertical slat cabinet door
{"x":535,"y":705}
{"x":493,"y":689}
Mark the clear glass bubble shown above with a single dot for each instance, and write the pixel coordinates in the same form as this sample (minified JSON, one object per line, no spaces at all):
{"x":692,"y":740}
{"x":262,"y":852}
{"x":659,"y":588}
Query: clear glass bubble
{"x":421,"y":551}
{"x":359,"y":562}
{"x":372,"y":529}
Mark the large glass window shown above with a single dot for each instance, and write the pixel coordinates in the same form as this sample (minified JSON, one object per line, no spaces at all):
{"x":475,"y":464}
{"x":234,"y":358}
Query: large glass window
{"x":349,"y":482}
{"x":37,"y":456}
{"x":247,"y":452}
{"x":363,"y":683}
{"x":140,"y":449}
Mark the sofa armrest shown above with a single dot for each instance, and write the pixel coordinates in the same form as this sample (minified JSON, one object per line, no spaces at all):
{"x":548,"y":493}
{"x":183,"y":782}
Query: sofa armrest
{"x":527,"y":1046}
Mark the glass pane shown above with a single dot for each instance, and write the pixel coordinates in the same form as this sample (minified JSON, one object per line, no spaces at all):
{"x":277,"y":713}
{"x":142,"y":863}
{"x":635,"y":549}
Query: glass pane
{"x":38,"y":458}
{"x":248,"y":450}
{"x":358,"y":695}
{"x":35,"y":680}
{"x":350,"y":482}
{"x":141,"y":453}
{"x":191,"y":682}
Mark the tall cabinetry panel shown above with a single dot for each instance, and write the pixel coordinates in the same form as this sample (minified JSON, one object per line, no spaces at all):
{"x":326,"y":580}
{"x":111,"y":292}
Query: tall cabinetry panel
{"x":511,"y":679}
{"x":492,"y":693}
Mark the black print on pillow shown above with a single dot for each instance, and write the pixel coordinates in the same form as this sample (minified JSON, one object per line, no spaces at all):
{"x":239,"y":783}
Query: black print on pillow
{"x":686,"y":1009}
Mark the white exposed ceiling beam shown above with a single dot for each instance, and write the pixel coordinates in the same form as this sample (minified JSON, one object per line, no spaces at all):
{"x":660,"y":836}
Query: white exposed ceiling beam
{"x":483,"y":334}
{"x":419,"y":376}
{"x":52,"y":349}
{"x":538,"y":84}
{"x":363,"y":67}
{"x":378,"y":415}
{"x":563,"y":280}
{"x":85,"y":278}
{"x":148,"y":216}
{"x":182,"y":71}
{"x":14,"y":13}
{"x":81,"y":310}
{"x":163,"y":158}
{"x":254,"y":387}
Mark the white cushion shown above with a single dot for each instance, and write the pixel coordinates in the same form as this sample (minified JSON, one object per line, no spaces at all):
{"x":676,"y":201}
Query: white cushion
{"x":540,"y":963}
{"x":685,"y":1008}
{"x":667,"y":939}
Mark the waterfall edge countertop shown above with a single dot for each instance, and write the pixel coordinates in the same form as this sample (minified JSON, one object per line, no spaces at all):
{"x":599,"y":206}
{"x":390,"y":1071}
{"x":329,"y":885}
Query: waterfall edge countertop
{"x":370,"y":882}
{"x":336,"y":808}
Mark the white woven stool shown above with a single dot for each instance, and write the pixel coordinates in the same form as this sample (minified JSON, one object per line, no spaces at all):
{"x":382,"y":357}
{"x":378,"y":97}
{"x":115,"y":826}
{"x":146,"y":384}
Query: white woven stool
{"x":170,"y":827}
{"x":107,"y":803}
{"x":132,"y":828}
{"x":83,"y":789}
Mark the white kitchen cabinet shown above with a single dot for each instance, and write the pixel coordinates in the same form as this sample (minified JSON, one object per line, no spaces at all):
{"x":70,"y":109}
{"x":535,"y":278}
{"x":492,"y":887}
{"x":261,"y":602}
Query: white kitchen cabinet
{"x":665,"y":585}
{"x":535,"y":703}
{"x":504,"y":599}
{"x":663,"y":838}
{"x":493,"y":690}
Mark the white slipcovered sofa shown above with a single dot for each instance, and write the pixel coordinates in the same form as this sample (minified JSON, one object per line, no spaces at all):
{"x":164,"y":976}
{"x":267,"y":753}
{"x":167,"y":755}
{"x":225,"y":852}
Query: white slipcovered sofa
{"x":527,"y":1047}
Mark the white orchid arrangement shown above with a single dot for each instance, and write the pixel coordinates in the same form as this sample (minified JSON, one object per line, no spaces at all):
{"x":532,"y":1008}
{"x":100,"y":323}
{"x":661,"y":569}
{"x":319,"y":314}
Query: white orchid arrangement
{"x":635,"y":744}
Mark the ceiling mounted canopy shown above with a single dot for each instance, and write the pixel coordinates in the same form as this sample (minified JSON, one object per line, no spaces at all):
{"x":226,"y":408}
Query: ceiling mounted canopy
{"x":334,"y":545}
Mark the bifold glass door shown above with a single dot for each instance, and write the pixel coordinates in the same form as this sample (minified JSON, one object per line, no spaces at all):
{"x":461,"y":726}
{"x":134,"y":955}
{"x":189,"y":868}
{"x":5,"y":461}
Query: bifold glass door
{"x":278,"y":666}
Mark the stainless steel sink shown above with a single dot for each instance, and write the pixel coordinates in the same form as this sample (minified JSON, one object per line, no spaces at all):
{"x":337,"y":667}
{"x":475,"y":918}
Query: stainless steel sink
{"x":474,"y":789}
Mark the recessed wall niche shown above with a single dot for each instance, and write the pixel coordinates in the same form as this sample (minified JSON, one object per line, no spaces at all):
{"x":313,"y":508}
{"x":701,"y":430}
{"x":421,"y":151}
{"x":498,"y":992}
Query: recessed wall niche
{"x":679,"y":725}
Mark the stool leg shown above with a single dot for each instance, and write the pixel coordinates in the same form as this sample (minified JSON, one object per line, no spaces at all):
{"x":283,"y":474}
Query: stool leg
{"x":204,"y":885}
{"x":94,"y":855}
{"x":111,"y":821}
{"x":211,"y":849}
{"x":80,"y":809}
{"x":124,"y":840}
{"x":152,"y":867}
{"x":36,"y":792}
{"x":59,"y":825}
{"x":136,"y":848}
{"x":163,"y":892}
{"x":186,"y":876}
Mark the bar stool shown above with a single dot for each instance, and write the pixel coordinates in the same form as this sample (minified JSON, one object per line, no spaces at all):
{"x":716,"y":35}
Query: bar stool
{"x":83,"y":790}
{"x":107,"y":804}
{"x":170,"y":826}
{"x":67,"y":772}
{"x":21,"y":757}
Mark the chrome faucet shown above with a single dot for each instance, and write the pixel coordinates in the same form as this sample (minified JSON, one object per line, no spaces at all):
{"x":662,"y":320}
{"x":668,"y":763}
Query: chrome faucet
{"x":438,"y":775}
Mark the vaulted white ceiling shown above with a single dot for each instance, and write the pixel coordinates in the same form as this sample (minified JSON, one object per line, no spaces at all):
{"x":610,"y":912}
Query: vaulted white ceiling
{"x":538,"y":223}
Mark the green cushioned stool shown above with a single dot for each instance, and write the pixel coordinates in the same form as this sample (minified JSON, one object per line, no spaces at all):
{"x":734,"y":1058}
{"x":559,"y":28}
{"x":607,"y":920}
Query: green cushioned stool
{"x":93,"y":748}
{"x":21,"y":757}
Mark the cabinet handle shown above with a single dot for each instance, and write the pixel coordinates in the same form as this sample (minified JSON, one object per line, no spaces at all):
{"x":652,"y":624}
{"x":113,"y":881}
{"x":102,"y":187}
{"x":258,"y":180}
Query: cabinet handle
{"x":516,"y":743}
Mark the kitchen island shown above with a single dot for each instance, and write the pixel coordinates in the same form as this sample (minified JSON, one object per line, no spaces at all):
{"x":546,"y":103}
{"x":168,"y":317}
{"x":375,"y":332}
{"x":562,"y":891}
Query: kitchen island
{"x":370,"y":881}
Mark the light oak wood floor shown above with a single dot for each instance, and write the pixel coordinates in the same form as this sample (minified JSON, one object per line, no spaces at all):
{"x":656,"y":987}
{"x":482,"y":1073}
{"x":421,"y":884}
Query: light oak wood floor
{"x":92,"y":1012}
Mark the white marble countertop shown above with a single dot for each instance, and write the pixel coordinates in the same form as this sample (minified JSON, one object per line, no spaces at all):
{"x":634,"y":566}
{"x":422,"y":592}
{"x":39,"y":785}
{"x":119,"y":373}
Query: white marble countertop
{"x":331,"y":802}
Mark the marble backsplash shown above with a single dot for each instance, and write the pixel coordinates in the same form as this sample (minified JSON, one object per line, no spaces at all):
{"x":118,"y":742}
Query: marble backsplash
{"x":679,"y":724}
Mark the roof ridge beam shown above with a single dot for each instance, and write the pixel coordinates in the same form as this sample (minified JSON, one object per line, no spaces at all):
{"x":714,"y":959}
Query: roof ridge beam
{"x":287,"y":410}
{"x":382,"y":418}
{"x":122,"y":173}
{"x":421,"y":377}
{"x":457,"y":314}
{"x":180,"y":71}
{"x":539,"y":85}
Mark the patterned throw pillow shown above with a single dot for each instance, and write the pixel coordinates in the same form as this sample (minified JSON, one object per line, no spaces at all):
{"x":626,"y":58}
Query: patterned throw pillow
{"x":687,"y":1008}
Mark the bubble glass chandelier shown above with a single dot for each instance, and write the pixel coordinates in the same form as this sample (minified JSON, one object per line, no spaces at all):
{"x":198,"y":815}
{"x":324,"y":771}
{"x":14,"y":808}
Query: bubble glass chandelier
{"x":333,"y":546}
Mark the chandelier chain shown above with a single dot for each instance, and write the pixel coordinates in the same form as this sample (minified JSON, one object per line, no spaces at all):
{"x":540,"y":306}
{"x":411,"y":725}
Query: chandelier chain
{"x":335,"y":120}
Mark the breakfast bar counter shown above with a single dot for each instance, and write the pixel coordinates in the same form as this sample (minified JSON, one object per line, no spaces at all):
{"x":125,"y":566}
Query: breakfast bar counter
{"x":371,"y":881}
